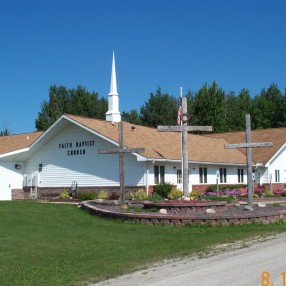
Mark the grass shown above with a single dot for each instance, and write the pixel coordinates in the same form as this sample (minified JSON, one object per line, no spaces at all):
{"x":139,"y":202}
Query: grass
{"x":52,"y":244}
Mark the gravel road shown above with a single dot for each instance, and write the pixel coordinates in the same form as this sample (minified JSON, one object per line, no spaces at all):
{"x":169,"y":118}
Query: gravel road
{"x":240,"y":267}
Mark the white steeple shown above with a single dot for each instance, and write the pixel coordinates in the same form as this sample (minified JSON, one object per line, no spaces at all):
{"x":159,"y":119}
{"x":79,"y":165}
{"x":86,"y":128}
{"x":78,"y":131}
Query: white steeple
{"x":113,"y":113}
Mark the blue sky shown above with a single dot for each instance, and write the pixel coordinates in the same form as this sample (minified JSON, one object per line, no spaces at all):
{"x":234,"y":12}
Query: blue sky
{"x":166,"y":43}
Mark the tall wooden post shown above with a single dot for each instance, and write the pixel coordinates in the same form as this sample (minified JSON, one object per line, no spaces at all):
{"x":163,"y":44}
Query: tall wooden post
{"x":121,"y":151}
{"x":185,"y":148}
{"x":184,"y":129}
{"x":248,"y":145}
{"x":249,"y":160}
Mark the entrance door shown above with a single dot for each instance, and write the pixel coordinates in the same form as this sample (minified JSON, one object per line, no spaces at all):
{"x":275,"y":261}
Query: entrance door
{"x":179,"y":179}
{"x":5,"y":190}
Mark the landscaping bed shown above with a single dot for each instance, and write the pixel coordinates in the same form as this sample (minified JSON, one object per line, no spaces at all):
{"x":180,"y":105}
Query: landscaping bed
{"x":231,"y":215}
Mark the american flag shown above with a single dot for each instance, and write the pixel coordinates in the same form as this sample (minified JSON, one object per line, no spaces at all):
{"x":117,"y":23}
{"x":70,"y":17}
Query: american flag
{"x":179,"y":117}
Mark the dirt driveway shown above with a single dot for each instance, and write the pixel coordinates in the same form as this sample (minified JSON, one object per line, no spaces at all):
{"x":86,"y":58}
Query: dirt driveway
{"x":240,"y":267}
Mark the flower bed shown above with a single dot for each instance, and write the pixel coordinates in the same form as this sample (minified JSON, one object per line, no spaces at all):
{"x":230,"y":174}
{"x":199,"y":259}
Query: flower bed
{"x":232,"y":215}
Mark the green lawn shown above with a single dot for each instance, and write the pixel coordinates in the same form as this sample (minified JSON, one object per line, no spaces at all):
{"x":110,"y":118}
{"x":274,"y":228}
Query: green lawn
{"x":52,"y":244}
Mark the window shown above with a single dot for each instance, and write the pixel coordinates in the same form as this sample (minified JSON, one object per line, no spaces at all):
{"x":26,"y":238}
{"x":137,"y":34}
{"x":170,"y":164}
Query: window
{"x":203,"y":175}
{"x":179,"y":176}
{"x":277,"y":176}
{"x":240,"y":175}
{"x":159,"y":174}
{"x":222,"y":175}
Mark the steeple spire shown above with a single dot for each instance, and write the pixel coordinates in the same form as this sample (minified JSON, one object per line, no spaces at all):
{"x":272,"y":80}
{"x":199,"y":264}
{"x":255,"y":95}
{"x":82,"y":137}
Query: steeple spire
{"x":113,"y":84}
{"x":113,"y":113}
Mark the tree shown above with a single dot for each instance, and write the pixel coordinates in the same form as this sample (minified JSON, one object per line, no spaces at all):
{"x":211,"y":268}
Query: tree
{"x":5,"y":129}
{"x":236,"y":108}
{"x":209,"y":107}
{"x":132,"y":117}
{"x":233,"y":118}
{"x":160,"y":109}
{"x":5,"y":132}
{"x":73,"y":101}
{"x":269,"y":109}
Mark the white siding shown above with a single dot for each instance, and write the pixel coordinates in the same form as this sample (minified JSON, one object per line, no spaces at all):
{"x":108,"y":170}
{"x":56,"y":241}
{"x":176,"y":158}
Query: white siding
{"x":89,"y":169}
{"x":278,"y":163}
{"x":171,"y":173}
{"x":231,"y":172}
{"x":13,"y":176}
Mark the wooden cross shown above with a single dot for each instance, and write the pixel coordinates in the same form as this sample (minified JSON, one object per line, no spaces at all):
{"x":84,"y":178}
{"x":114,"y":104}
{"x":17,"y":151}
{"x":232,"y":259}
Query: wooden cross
{"x":184,"y":130}
{"x":121,"y":151}
{"x":248,"y":145}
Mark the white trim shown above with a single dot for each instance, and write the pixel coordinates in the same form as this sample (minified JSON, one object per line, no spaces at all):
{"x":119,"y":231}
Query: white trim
{"x":275,"y":155}
{"x":14,"y":152}
{"x":76,"y":123}
{"x":195,"y":162}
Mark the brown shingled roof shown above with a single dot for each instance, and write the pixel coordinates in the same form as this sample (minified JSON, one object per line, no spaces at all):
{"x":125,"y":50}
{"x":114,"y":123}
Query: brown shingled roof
{"x":15,"y":142}
{"x":165,"y":145}
{"x":259,"y":155}
{"x":158,"y":145}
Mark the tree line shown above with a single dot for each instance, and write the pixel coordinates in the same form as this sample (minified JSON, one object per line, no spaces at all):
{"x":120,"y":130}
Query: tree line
{"x":210,"y":105}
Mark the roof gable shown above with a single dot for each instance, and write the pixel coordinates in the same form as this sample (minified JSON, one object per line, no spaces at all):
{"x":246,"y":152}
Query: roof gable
{"x":259,"y":155}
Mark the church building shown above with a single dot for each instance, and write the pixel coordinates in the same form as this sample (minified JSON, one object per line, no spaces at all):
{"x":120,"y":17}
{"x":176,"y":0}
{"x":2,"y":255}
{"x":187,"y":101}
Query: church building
{"x":67,"y":153}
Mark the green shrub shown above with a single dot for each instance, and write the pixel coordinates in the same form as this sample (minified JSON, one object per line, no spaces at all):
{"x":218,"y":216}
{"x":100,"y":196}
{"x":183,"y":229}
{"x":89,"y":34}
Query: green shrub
{"x":129,"y":196}
{"x":229,"y":199}
{"x":163,"y":189}
{"x":266,"y":193}
{"x":103,"y":195}
{"x":194,"y":194}
{"x":213,"y":188}
{"x":276,"y":204}
{"x":283,"y":194}
{"x":86,"y":196}
{"x":64,"y":195}
{"x":175,"y":194}
{"x":155,"y":198}
{"x":140,"y":195}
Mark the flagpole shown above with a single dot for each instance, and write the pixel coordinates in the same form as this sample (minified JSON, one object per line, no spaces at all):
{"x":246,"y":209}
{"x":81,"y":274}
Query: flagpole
{"x":181,"y":95}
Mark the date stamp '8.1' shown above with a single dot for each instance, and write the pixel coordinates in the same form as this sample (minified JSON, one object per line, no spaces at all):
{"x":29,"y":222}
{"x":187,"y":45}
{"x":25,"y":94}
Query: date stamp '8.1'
{"x":265,"y":279}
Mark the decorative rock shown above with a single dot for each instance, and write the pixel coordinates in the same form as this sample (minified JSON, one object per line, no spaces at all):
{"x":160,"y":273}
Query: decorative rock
{"x":124,"y":207}
{"x":242,"y":203}
{"x":186,"y":198}
{"x":237,"y":205}
{"x":261,"y":205}
{"x":248,"y":208}
{"x":163,"y":211}
{"x":210,"y":211}
{"x":116,"y":203}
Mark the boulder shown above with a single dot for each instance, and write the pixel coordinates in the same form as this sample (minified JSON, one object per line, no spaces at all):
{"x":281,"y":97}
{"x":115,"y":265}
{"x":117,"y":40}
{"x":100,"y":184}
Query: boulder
{"x":124,"y":207}
{"x":248,"y":208}
{"x":261,"y":205}
{"x":186,"y":198}
{"x":210,"y":211}
{"x":163,"y":211}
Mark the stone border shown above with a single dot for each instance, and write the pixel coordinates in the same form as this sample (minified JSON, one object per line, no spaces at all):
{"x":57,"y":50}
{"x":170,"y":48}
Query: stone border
{"x":180,"y":220}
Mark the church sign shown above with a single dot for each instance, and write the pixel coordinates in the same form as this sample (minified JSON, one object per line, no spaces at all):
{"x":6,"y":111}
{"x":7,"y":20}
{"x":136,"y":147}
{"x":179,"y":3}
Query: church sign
{"x":76,"y":148}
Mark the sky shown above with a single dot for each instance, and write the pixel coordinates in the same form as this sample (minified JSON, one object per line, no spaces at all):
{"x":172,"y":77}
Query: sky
{"x":157,"y":43}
